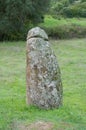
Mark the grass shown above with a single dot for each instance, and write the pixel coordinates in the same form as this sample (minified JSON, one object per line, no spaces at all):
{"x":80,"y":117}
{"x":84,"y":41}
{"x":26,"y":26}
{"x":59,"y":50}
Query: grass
{"x":71,"y":55}
{"x":64,"y":28}
{"x":50,"y":21}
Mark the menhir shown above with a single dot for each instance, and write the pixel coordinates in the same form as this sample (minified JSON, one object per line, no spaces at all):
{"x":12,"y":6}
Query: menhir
{"x":44,"y":86}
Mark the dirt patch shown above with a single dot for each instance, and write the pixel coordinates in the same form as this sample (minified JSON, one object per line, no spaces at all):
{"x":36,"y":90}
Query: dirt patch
{"x":40,"y":125}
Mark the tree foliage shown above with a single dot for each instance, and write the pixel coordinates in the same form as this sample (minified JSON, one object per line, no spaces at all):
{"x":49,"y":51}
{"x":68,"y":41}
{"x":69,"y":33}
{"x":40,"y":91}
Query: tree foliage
{"x":68,"y":8}
{"x":16,"y":16}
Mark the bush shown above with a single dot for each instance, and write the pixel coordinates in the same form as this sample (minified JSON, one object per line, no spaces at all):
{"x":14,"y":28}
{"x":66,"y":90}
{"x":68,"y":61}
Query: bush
{"x":69,"y":8}
{"x":77,"y":10}
{"x":66,"y":31}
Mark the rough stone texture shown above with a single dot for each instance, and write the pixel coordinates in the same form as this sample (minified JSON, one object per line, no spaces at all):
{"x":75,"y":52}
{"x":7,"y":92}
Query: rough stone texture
{"x":44,"y":87}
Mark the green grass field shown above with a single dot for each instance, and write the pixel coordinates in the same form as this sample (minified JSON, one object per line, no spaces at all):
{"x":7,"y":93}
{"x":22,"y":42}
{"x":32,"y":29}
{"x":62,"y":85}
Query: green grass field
{"x":50,"y":21}
{"x":71,"y":56}
{"x":64,"y":28}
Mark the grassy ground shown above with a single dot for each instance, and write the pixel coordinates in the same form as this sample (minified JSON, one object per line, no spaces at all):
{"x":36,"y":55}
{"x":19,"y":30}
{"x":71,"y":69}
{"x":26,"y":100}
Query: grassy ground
{"x":13,"y":109}
{"x":50,"y":21}
{"x":64,"y":28}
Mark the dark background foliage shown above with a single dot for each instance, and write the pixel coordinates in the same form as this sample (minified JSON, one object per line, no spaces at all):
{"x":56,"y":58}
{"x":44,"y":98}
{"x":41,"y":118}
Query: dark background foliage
{"x":68,"y":8}
{"x":17,"y":16}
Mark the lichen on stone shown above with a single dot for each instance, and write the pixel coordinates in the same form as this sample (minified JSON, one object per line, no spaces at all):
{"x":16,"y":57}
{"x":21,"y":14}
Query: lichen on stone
{"x":44,"y":86}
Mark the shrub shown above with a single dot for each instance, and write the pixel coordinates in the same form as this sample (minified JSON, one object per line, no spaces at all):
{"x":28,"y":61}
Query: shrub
{"x":69,"y":8}
{"x":66,"y":31}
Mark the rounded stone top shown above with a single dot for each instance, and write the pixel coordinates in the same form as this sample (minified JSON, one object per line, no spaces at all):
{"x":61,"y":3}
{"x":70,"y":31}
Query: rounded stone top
{"x":37,"y":32}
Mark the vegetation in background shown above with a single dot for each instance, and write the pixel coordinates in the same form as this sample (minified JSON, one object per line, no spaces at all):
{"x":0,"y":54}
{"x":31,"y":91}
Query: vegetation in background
{"x":68,"y":8}
{"x":64,"y":28}
{"x":71,"y":56}
{"x":17,"y":16}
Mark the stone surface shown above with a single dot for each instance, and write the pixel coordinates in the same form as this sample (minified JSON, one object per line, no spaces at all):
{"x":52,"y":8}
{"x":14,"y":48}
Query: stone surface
{"x":44,"y":86}
{"x":37,"y":32}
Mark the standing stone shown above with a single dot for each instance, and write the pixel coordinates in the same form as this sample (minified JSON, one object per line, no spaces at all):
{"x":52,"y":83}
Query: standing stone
{"x":44,"y":87}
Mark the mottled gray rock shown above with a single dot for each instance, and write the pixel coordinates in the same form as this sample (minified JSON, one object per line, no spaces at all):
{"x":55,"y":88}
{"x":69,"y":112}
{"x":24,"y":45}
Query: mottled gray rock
{"x":44,"y":87}
{"x":37,"y":32}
